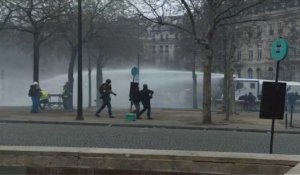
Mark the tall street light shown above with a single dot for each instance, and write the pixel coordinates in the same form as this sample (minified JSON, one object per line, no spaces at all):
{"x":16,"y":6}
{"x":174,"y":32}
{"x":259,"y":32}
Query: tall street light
{"x":79,"y":97}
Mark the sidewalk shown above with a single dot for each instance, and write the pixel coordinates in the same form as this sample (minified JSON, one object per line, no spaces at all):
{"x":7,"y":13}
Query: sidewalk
{"x":163,"y":118}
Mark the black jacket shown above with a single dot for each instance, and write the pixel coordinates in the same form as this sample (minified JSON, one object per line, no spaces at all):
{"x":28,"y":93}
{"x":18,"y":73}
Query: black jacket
{"x":34,"y":91}
{"x":146,"y":95}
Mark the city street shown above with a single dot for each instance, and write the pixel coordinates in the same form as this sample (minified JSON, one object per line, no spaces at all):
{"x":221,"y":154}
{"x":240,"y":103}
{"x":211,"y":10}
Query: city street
{"x":145,"y":138}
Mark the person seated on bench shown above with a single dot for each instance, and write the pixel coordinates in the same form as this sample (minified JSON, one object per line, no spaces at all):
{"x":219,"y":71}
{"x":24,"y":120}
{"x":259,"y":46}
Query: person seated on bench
{"x":44,"y":99}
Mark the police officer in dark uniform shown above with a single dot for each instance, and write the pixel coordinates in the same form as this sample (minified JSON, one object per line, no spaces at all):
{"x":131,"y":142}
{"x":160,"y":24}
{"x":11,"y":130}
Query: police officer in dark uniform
{"x":292,"y":98}
{"x":105,"y":91}
{"x":66,"y":96}
{"x":146,"y":95}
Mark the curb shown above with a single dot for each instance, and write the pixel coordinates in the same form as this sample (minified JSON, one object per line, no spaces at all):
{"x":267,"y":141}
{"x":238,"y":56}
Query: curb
{"x":152,"y":126}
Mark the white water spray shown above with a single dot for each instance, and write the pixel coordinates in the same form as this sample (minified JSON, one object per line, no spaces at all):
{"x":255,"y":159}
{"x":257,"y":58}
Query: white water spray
{"x":172,"y":89}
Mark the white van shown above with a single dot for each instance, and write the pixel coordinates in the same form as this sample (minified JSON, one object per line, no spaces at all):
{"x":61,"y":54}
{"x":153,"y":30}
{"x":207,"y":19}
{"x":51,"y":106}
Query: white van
{"x":243,"y":86}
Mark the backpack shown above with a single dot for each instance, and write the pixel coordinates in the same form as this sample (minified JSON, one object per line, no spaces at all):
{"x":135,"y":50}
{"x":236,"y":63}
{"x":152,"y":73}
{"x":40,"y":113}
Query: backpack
{"x":134,"y":92}
{"x":31,"y":92}
{"x":102,"y":88}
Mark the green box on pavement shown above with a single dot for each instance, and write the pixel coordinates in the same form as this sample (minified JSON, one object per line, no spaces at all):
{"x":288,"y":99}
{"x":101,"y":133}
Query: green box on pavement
{"x":130,"y":116}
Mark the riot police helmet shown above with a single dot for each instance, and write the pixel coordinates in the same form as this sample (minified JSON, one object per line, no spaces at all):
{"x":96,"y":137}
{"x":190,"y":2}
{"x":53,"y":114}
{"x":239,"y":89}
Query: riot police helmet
{"x":145,"y":86}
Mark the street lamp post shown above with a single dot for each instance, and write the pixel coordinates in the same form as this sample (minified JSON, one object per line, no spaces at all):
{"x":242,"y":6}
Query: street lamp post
{"x":138,"y":55}
{"x":139,"y":47}
{"x":79,"y":102}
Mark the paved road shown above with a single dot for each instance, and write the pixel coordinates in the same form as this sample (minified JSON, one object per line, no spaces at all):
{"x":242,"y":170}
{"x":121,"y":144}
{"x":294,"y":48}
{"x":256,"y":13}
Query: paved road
{"x":145,"y":138}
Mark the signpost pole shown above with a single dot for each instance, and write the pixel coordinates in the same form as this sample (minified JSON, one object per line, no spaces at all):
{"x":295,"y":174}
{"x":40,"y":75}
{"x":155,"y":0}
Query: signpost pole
{"x":286,"y":117}
{"x":273,"y":119}
{"x":291,"y":117}
{"x":279,"y":51}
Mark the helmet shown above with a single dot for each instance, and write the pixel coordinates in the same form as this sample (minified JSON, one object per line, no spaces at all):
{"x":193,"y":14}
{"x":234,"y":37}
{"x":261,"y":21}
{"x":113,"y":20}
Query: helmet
{"x":108,"y":81}
{"x":145,"y":86}
{"x":35,"y":83}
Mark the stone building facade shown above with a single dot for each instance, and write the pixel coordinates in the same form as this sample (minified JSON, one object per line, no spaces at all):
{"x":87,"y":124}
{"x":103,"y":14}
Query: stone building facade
{"x":280,"y":18}
{"x":252,"y":58}
{"x":161,"y":45}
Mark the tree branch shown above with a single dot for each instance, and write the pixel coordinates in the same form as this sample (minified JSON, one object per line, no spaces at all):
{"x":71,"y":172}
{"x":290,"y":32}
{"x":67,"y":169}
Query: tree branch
{"x":241,"y":22}
{"x":239,"y":12}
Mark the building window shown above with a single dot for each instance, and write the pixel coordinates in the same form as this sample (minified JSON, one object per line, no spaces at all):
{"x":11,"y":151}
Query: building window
{"x":153,"y":49}
{"x":266,"y":8}
{"x":153,"y":37}
{"x":259,"y":52}
{"x":293,"y":73}
{"x":161,"y":37}
{"x":239,"y":85}
{"x":259,"y":31}
{"x":250,"y":34}
{"x":176,"y":36}
{"x":271,"y":73}
{"x":250,"y":73}
{"x":271,"y":30}
{"x":161,"y":49}
{"x":258,"y":73}
{"x":239,"y":55}
{"x":167,"y":37}
{"x":250,"y":53}
{"x":295,"y":51}
{"x":280,"y":30}
{"x":238,"y":72}
{"x":167,"y":49}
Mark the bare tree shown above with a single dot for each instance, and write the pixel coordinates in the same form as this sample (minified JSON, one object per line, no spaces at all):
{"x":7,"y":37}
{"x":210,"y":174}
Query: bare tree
{"x":35,"y":17}
{"x":94,"y":12}
{"x":112,"y":43}
{"x":5,"y":14}
{"x":225,"y":49}
{"x":188,"y":49}
{"x":205,"y":17}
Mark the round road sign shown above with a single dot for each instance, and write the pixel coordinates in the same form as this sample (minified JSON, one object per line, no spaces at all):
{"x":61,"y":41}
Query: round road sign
{"x":279,"y":49}
{"x":134,"y":71}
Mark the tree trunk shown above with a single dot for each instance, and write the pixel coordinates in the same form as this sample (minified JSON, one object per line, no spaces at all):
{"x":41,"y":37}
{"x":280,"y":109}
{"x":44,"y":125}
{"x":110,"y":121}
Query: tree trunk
{"x":70,"y":75}
{"x":195,"y":101}
{"x":99,"y":79}
{"x":207,"y":85}
{"x":227,"y":88}
{"x":36,"y":55}
{"x":231,"y":91}
{"x":90,"y":83}
{"x":231,"y":94}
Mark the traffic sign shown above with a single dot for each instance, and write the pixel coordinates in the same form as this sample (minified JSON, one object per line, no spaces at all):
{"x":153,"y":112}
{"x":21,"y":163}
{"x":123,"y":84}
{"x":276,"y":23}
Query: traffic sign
{"x":279,"y":49}
{"x":134,"y":71}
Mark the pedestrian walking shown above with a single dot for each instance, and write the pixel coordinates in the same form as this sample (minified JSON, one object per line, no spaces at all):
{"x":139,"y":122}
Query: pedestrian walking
{"x":251,"y":101}
{"x":105,"y":90}
{"x":35,"y":93}
{"x":146,"y":95}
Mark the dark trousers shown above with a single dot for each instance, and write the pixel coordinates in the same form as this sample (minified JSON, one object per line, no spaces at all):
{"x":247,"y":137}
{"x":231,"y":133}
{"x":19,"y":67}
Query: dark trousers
{"x":104,"y":104}
{"x":147,"y":107}
{"x":136,"y":106}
